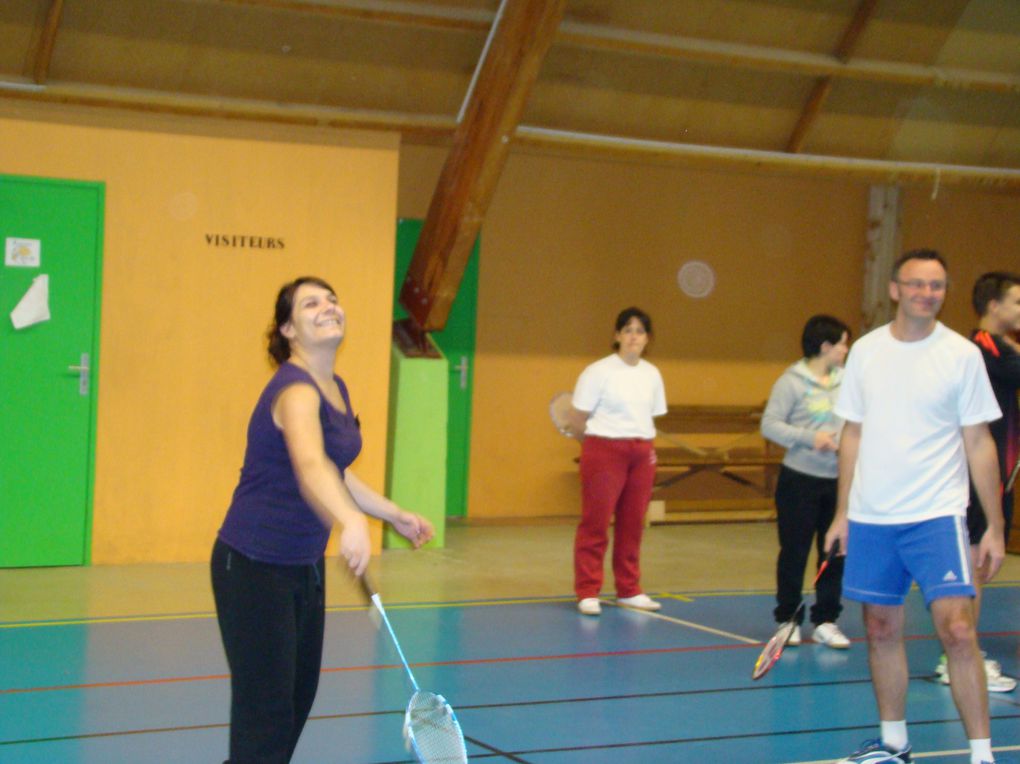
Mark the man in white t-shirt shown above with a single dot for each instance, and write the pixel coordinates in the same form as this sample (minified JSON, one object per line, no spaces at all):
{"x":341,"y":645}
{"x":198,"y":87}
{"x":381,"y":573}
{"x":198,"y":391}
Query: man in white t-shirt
{"x":917,"y":402}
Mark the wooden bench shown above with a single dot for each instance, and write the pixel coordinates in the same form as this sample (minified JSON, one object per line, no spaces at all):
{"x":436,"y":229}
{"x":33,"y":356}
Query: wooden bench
{"x":713,"y":464}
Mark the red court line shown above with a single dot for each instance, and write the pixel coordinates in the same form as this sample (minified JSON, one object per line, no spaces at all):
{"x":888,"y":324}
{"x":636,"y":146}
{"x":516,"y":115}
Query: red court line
{"x":430,"y":664}
{"x":377,"y":667}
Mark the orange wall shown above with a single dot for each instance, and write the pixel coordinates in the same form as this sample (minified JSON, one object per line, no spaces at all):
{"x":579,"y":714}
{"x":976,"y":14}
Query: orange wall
{"x":182,"y":355}
{"x":567,"y":243}
{"x":976,"y":232}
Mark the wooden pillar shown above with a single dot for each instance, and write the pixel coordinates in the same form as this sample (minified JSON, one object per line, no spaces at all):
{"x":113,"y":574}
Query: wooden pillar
{"x":884,"y":242}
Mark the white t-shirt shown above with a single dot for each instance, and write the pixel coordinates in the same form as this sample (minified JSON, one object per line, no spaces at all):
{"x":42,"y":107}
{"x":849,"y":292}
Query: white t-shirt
{"x":622,"y":398}
{"x":911,"y":399}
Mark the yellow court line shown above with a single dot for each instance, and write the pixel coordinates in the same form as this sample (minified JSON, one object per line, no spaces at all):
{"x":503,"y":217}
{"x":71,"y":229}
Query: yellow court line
{"x":689,"y":597}
{"x":680,"y":597}
{"x":689,"y":624}
{"x":107,"y":619}
{"x":330,"y":609}
{"x":929,"y":754}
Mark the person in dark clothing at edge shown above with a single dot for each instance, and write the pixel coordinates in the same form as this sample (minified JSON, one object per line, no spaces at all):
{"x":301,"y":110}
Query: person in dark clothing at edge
{"x":996,"y":300}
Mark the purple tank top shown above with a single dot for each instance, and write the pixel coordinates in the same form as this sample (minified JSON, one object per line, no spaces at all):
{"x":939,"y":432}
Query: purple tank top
{"x":268,"y":519}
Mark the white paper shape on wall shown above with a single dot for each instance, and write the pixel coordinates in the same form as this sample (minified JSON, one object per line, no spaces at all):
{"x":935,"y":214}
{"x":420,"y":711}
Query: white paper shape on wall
{"x":22,"y":253}
{"x":34,"y":305}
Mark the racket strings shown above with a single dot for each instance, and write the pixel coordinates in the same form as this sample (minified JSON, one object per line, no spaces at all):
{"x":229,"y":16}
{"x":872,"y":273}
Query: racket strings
{"x":433,"y":729}
{"x":773,"y":649}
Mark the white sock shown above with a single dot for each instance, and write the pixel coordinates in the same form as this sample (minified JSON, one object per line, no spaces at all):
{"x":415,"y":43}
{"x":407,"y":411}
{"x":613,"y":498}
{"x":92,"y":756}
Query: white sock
{"x":981,"y":751}
{"x":894,"y":734}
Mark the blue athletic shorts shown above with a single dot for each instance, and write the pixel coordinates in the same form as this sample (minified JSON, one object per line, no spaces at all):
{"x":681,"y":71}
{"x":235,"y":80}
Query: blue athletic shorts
{"x":883,"y":560}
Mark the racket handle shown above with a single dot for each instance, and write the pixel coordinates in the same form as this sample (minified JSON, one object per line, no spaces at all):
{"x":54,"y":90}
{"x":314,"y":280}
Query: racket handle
{"x":833,"y":551}
{"x":367,"y":585}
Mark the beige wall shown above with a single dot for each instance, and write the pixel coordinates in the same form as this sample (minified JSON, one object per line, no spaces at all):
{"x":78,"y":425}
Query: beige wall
{"x":567,"y":243}
{"x":182,"y":355}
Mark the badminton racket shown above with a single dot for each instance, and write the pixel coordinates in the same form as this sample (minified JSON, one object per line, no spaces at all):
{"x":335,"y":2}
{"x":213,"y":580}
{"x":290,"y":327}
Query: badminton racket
{"x":559,"y":412}
{"x":431,"y":730}
{"x":775,"y":646}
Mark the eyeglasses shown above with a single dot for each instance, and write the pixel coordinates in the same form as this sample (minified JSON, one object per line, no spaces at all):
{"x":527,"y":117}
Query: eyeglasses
{"x":916,"y":285}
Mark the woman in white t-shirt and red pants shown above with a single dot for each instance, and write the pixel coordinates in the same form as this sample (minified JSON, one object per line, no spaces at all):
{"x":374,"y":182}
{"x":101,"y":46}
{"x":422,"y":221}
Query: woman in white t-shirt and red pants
{"x":613,"y":405}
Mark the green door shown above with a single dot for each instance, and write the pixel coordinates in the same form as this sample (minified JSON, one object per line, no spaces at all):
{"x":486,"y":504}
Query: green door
{"x":457,"y":341}
{"x":51,"y":231}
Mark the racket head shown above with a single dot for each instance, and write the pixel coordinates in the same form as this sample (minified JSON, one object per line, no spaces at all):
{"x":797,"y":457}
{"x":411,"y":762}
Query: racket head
{"x":431,"y":730}
{"x":559,"y":411}
{"x":773,"y":649}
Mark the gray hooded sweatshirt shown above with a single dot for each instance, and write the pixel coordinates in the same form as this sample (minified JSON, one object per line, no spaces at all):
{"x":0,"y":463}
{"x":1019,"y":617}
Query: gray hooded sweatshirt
{"x":799,"y":406}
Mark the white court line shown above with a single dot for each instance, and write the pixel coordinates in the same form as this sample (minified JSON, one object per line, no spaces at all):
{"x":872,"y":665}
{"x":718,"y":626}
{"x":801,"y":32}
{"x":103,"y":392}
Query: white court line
{"x":929,"y":754}
{"x":698,"y":626}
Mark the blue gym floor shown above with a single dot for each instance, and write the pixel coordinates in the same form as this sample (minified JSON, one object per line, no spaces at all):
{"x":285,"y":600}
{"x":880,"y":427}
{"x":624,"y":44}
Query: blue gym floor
{"x":531,"y":681}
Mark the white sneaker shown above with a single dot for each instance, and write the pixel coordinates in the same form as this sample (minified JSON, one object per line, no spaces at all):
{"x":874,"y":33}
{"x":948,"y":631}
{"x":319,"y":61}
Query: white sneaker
{"x":1000,"y":683}
{"x":996,"y":680}
{"x":795,"y":638}
{"x":639,"y":601}
{"x":590,"y":606}
{"x":828,"y":634}
{"x":991,"y":667}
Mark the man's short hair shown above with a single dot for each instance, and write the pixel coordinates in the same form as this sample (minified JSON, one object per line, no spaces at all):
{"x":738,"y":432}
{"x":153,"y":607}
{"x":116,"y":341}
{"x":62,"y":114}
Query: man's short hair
{"x":819,"y":330}
{"x":917,"y":254}
{"x":991,"y":286}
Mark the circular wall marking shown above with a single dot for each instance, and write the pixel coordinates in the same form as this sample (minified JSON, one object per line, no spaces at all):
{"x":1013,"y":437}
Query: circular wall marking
{"x":696,"y":279}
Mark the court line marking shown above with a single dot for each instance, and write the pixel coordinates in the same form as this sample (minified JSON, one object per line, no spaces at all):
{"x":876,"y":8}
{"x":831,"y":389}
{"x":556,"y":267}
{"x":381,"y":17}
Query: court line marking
{"x":378,"y":667}
{"x":931,"y":754}
{"x":680,"y":596}
{"x":491,"y":750}
{"x":714,"y":738}
{"x":530,"y":703}
{"x":689,"y":624}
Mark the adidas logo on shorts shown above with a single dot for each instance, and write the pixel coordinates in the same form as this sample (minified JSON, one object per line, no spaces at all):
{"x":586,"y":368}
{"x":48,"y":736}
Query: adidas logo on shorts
{"x":950,"y":576}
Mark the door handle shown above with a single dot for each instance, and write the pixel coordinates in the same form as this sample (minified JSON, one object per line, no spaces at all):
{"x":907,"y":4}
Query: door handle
{"x":462,"y":367}
{"x":82,"y":370}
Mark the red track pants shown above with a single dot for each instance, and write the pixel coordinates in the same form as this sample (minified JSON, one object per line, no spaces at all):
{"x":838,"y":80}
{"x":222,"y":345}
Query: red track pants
{"x":617,"y":476}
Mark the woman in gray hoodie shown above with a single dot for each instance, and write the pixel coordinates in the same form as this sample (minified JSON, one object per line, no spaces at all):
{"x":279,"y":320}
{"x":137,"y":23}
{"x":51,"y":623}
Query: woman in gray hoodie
{"x":799,"y":417}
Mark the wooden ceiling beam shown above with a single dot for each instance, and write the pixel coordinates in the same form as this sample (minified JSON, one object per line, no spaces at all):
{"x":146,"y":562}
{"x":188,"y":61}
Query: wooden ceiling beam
{"x":521,"y":36}
{"x":715,"y":157}
{"x":47,"y":41}
{"x":433,"y":130}
{"x":823,"y":85}
{"x":383,"y":11}
{"x":421,"y":128}
{"x":778,"y":59}
{"x":600,"y":37}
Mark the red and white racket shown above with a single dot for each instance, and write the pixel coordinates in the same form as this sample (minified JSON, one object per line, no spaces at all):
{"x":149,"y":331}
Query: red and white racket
{"x":774,"y":647}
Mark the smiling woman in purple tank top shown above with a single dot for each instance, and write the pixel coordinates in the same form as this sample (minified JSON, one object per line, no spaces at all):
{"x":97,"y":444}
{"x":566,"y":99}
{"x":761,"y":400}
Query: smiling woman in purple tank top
{"x":267,"y":563}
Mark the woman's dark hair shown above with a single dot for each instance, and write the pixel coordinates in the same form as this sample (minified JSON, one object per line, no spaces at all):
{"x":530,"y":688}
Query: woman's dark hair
{"x":624,"y":318}
{"x":819,"y":330}
{"x":279,"y":346}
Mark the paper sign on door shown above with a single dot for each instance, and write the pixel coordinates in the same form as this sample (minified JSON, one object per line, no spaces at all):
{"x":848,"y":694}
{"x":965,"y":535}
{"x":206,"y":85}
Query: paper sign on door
{"x":22,"y":253}
{"x":34,"y":306}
